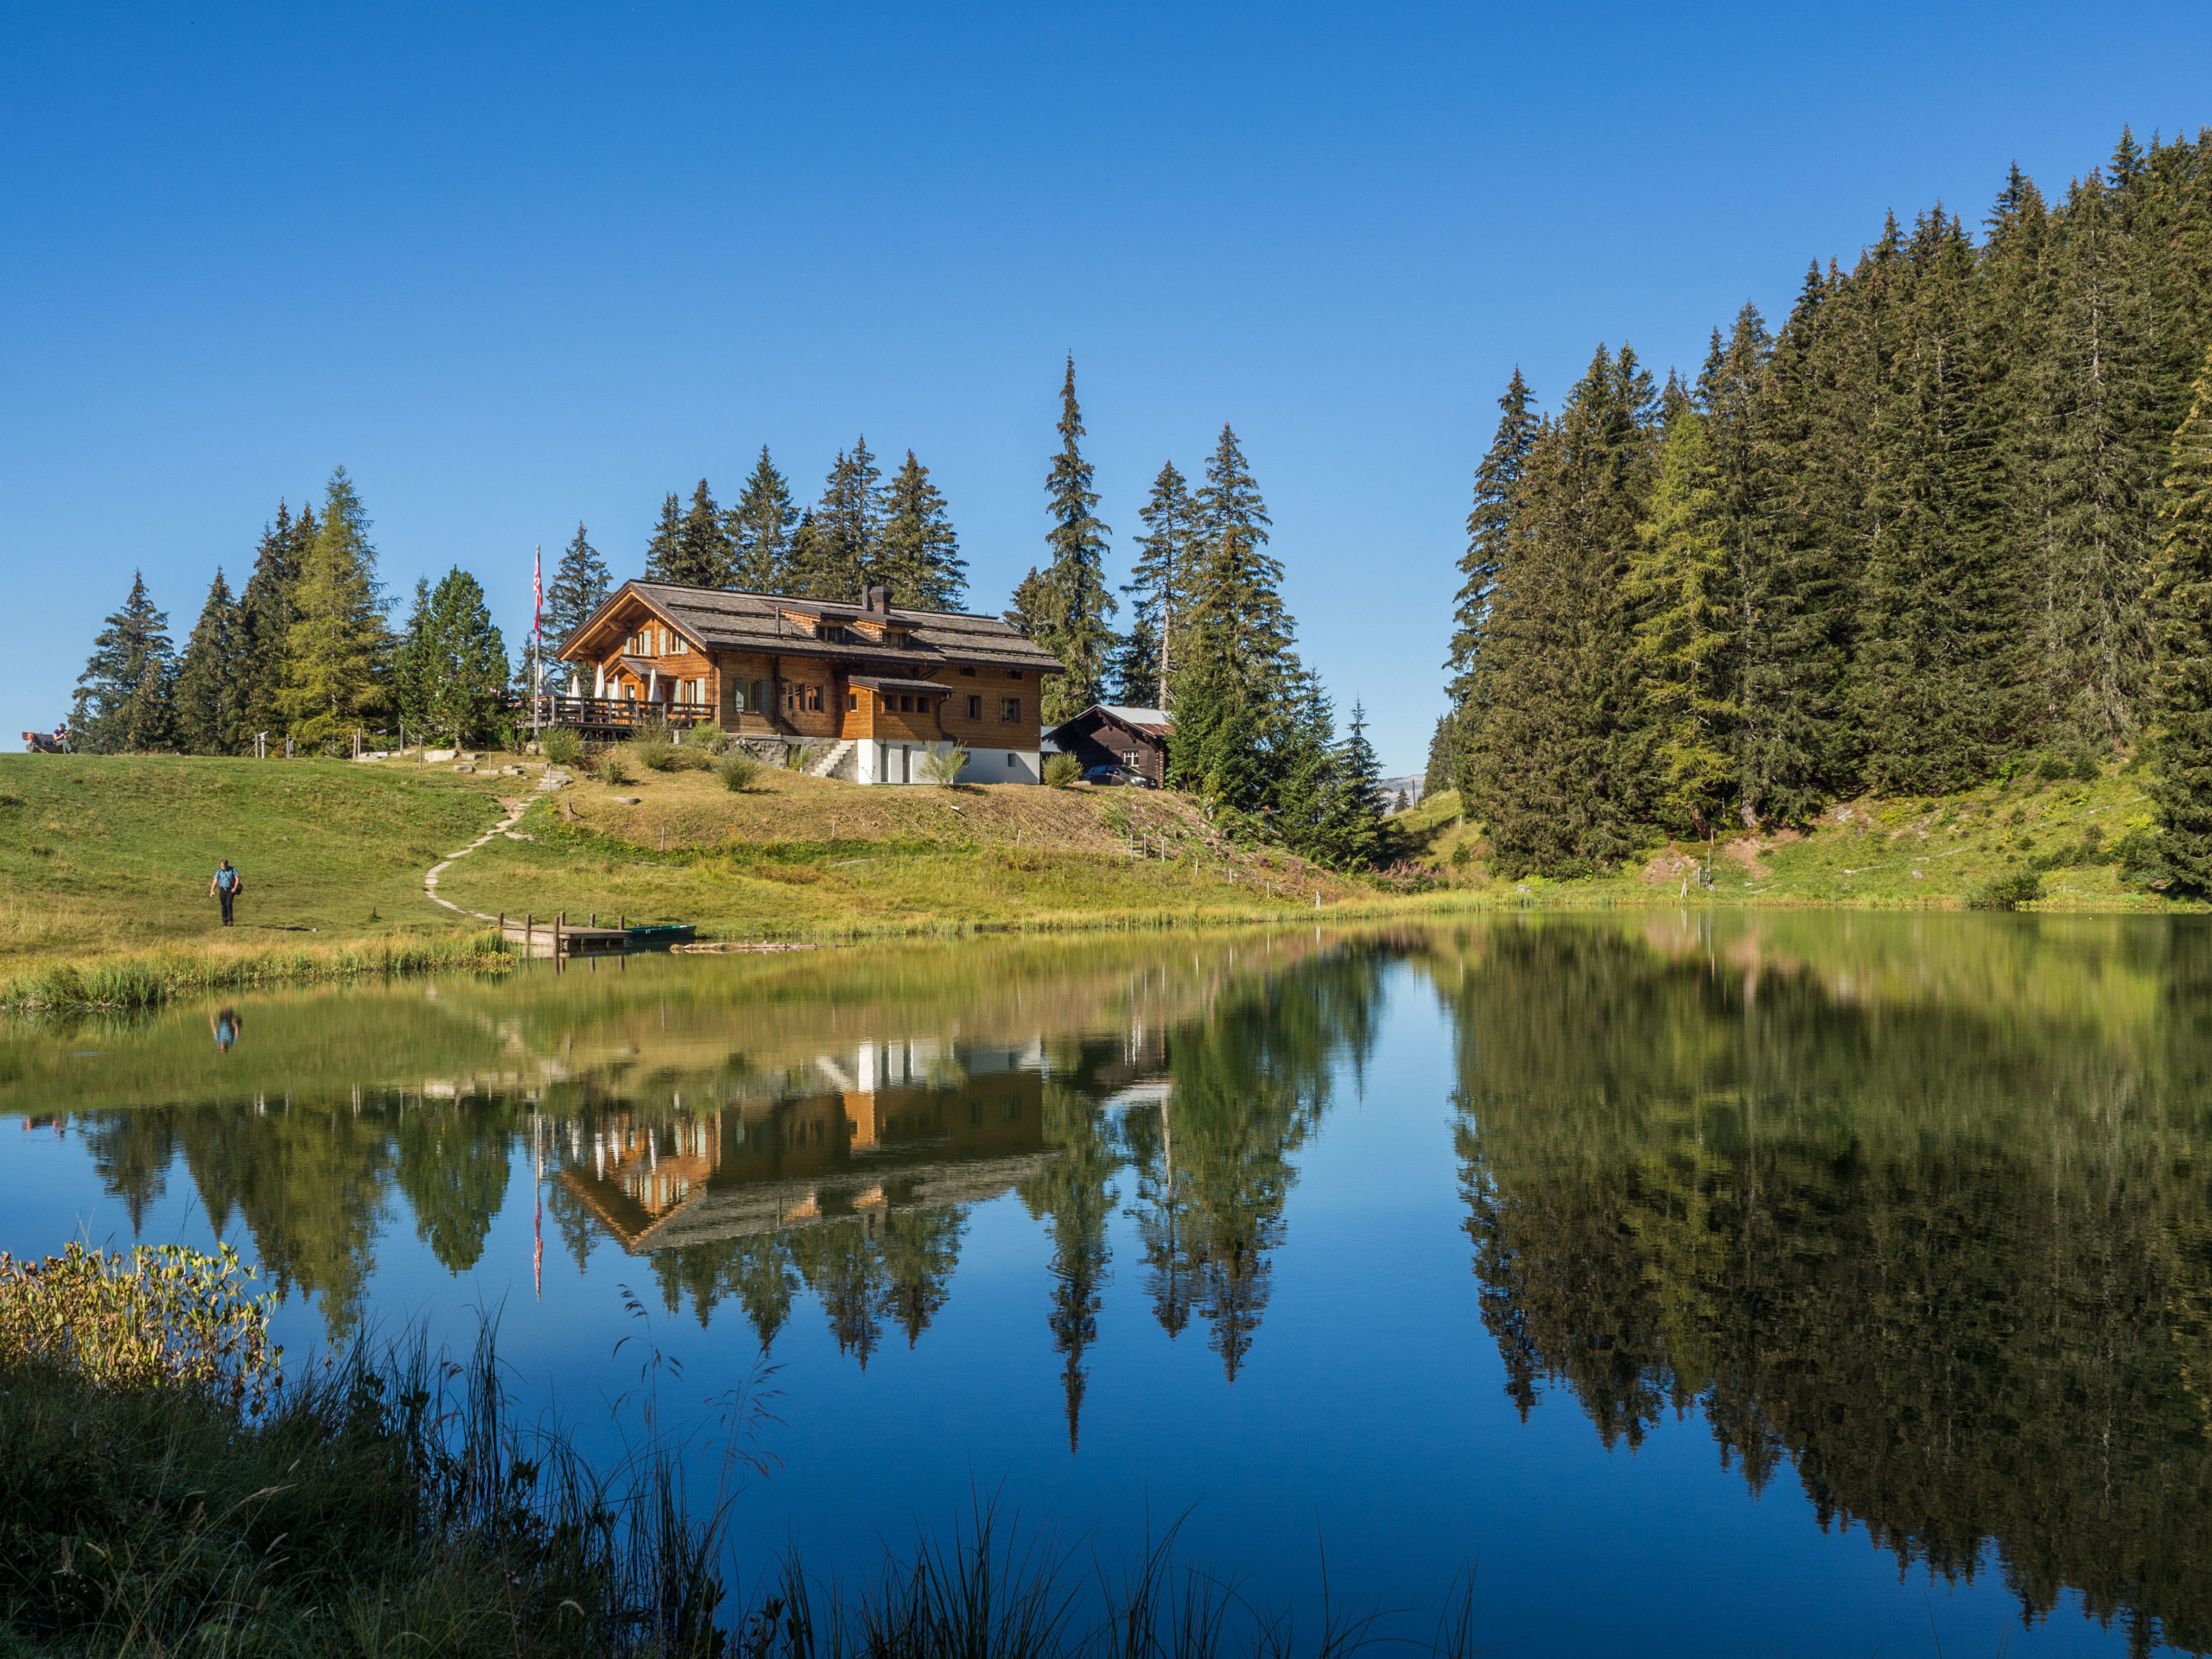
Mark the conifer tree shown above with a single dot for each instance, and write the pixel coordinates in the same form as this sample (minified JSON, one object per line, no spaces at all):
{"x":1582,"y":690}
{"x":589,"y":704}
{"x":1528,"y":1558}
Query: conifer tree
{"x":1074,"y":602}
{"x":1490,"y":524}
{"x":123,"y":700}
{"x":1159,"y":586}
{"x":2181,"y":606}
{"x":662,"y":549}
{"x":411,"y":664}
{"x":266,"y":615}
{"x":1238,"y":623}
{"x":1551,"y":766}
{"x":920,"y":560}
{"x":1678,"y":585}
{"x":211,"y":678}
{"x":2106,"y":445}
{"x":337,"y":656}
{"x":1298,"y":770}
{"x":1025,"y":614}
{"x":702,"y":555}
{"x":1937,"y":660}
{"x":579,"y":586}
{"x":842,"y":545}
{"x":457,"y":662}
{"x":759,"y":527}
{"x":1132,"y":673}
{"x":1356,"y":802}
{"x":1806,"y":506}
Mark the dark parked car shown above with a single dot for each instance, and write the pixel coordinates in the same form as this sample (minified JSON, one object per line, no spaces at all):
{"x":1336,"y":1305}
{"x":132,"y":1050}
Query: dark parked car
{"x":1109,"y":776}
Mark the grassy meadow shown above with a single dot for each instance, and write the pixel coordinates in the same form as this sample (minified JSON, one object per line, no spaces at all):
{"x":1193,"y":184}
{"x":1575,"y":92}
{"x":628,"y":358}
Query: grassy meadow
{"x":104,"y":863}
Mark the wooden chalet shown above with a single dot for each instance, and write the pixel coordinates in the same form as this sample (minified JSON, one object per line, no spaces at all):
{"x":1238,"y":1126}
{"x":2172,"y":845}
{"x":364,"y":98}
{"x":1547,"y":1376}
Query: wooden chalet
{"x":1118,"y":734}
{"x":879,"y":687}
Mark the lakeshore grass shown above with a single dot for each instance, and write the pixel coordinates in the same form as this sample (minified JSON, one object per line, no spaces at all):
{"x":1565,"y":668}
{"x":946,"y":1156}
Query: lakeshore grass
{"x":167,"y":1490}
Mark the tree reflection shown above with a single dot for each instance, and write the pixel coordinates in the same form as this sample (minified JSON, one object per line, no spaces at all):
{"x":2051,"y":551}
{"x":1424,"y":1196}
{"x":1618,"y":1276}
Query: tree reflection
{"x":1949,"y":1265}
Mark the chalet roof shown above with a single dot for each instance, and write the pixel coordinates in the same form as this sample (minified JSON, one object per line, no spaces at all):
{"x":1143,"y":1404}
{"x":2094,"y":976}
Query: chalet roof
{"x":724,"y":618}
{"x":1153,"y":722}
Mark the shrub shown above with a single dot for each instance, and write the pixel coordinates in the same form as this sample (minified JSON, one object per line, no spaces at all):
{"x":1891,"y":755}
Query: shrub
{"x":563,"y":745}
{"x":155,"y":1317}
{"x":655,"y":753}
{"x":797,"y":757}
{"x":1462,"y":856}
{"x":737,"y":770}
{"x":705,"y":740}
{"x":1061,"y":769}
{"x":944,"y":764}
{"x":2007,"y":891}
{"x":611,"y":765}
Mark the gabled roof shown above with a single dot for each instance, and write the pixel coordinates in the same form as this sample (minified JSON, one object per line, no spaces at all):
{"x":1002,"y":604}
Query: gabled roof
{"x":1151,"y":723}
{"x":724,"y":618}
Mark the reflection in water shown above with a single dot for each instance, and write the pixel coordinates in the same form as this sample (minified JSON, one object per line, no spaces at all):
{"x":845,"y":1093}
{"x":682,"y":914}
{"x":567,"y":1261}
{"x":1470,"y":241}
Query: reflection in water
{"x":830,"y":1164}
{"x":1917,"y":1216}
{"x":1951,"y":1262}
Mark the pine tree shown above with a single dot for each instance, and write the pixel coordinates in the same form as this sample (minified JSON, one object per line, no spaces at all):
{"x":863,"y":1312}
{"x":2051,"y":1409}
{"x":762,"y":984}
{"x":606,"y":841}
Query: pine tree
{"x":1802,"y":538}
{"x":2106,"y":447}
{"x":1132,"y":673}
{"x":840,"y":546}
{"x":702,"y":556}
{"x":663,"y":550}
{"x":337,"y":656}
{"x":123,"y":704}
{"x":1025,"y":614}
{"x":1550,"y":768}
{"x":2181,"y":606}
{"x":1678,"y":585}
{"x":453,"y":664}
{"x":1356,"y":802}
{"x":579,"y":586}
{"x":1937,"y":666}
{"x":211,"y":678}
{"x":411,"y":664}
{"x":1299,"y":769}
{"x":759,"y":527}
{"x":1238,"y":624}
{"x":266,"y":614}
{"x":919,"y":561}
{"x":1075,"y":604}
{"x":1441,"y":772}
{"x":1489,"y":522}
{"x":1159,"y":585}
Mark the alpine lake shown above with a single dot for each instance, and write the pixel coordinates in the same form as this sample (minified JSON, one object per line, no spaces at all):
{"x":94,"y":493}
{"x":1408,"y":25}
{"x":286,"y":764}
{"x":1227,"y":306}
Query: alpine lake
{"x":1804,"y":1283}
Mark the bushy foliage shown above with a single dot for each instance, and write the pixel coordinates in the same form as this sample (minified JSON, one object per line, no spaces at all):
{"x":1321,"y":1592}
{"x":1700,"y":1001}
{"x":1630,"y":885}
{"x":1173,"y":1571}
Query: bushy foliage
{"x":1062,"y":770}
{"x":563,"y":745}
{"x":737,"y":770}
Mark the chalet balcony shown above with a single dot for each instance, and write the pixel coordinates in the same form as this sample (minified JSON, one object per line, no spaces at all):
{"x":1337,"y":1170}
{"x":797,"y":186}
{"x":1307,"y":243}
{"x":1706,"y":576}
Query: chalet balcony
{"x":618,"y":716}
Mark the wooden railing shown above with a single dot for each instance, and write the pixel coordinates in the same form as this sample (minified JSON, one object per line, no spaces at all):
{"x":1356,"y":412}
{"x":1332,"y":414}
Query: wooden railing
{"x":617,"y":714}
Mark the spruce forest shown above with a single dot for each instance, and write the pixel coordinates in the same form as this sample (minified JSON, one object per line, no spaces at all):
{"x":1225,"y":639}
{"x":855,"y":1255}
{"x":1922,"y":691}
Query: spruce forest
{"x":1952,"y":516}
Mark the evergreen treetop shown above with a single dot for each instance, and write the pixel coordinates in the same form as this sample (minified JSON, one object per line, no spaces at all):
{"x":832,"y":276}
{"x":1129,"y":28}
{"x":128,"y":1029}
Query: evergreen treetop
{"x":920,"y":560}
{"x":1160,"y":583}
{"x":211,"y":682}
{"x":122,"y":704}
{"x":1075,"y":602}
{"x":337,"y":656}
{"x":579,"y":586}
{"x":759,"y":527}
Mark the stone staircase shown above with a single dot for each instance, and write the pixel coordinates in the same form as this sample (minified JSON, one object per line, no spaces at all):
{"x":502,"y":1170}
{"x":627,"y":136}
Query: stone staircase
{"x":834,"y":759}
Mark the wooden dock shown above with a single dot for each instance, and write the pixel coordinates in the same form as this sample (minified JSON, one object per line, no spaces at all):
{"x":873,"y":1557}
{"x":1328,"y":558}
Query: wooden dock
{"x":556,"y":938}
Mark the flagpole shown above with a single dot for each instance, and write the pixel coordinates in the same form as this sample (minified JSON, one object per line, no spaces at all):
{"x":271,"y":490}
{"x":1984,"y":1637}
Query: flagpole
{"x":537,"y":633}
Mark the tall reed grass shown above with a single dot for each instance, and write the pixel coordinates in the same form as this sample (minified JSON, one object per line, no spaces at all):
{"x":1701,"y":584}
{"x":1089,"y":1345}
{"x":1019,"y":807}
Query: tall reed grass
{"x":147,"y":979}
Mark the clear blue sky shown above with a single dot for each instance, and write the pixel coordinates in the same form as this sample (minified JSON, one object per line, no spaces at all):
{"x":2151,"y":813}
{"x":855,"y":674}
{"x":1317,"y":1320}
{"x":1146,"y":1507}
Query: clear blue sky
{"x":516,"y":267}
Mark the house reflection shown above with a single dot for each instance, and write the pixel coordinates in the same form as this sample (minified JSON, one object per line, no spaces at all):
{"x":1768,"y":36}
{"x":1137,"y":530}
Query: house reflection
{"x":889,"y":1127}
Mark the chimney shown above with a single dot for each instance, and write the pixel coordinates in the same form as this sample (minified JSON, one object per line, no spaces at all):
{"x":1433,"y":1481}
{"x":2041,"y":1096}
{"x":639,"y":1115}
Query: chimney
{"x":878,"y":600}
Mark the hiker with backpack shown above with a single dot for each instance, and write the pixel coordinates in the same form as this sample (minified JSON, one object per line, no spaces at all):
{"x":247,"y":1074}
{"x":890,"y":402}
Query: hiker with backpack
{"x":226,"y":887}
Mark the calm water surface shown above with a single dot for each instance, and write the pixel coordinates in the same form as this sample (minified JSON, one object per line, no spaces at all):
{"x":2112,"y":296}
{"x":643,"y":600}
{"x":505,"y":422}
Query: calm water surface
{"x":1810,"y":1285}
